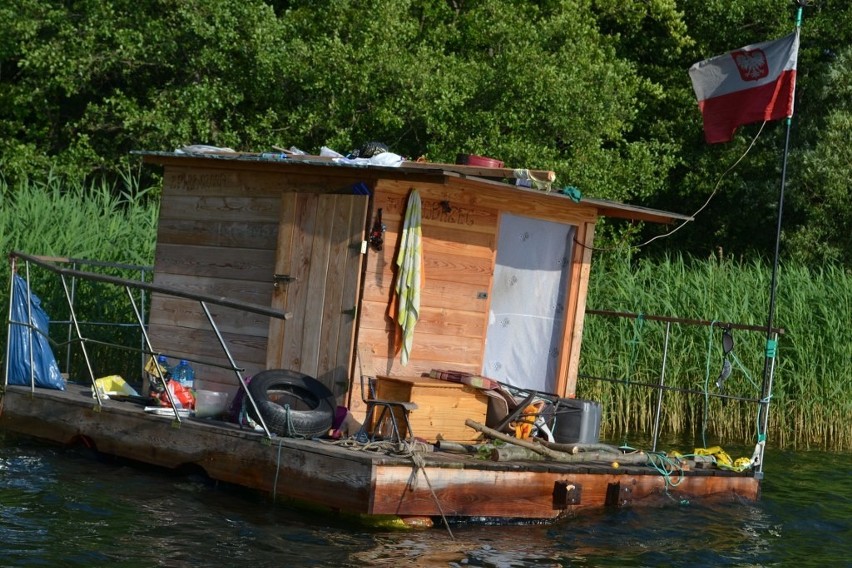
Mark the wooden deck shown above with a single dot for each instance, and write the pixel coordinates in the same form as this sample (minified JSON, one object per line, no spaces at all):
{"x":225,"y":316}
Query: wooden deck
{"x":351,"y":479}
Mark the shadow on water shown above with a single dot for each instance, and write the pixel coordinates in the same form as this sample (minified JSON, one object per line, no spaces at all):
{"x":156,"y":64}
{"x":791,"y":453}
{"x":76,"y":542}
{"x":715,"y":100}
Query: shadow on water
{"x":61,"y":507}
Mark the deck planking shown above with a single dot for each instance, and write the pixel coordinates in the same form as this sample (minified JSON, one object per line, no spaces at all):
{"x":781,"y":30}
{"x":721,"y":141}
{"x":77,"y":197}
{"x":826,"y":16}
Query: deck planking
{"x":352,"y":480}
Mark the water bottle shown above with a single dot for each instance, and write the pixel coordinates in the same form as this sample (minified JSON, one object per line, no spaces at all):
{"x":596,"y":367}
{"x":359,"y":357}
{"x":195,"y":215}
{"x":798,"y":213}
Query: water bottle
{"x":163,"y":361}
{"x":184,"y":374}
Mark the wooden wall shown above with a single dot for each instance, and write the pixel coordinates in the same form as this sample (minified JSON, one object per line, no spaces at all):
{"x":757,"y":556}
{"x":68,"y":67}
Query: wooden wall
{"x":217,"y":236}
{"x":460,"y":226}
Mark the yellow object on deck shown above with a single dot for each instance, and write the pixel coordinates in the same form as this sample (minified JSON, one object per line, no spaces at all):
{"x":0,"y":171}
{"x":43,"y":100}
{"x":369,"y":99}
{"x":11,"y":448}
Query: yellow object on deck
{"x":114,"y":385}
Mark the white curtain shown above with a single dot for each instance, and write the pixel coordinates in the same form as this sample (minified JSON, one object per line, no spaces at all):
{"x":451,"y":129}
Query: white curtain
{"x":531,"y":276}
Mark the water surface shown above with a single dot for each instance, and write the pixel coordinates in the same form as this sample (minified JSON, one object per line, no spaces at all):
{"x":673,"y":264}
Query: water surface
{"x":63,"y":507}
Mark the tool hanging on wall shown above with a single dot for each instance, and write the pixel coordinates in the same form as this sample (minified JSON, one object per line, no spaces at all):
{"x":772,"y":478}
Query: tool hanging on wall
{"x":377,"y":232}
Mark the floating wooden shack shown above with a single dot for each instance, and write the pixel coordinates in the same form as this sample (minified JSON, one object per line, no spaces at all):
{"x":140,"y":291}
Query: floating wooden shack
{"x":296,"y":259}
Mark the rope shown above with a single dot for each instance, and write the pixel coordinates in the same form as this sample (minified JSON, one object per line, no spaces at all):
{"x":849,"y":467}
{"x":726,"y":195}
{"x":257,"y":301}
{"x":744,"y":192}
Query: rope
{"x":413,"y":450}
{"x":666,"y":467}
{"x":277,"y":469}
{"x":419,"y":464}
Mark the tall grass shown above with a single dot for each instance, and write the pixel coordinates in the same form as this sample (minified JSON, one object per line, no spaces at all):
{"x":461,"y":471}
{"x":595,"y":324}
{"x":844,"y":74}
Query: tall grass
{"x":810,"y":398}
{"x":97,"y":222}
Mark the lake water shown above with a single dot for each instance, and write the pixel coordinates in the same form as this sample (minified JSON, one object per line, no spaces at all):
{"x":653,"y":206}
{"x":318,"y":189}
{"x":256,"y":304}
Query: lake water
{"x":63,"y":507}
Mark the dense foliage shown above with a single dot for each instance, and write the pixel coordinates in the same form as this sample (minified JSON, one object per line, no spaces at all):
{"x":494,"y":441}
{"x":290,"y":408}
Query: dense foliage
{"x":594,"y":89}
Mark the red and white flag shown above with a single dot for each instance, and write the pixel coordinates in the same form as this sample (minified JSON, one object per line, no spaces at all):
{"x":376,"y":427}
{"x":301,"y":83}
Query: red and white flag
{"x":752,"y":84}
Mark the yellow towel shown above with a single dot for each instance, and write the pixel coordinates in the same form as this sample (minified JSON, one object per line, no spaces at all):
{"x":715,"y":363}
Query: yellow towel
{"x":410,"y":263}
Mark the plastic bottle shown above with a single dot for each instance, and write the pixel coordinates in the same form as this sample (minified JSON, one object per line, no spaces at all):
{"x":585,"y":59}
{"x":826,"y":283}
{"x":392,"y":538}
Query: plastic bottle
{"x":163,"y":361}
{"x":184,"y":374}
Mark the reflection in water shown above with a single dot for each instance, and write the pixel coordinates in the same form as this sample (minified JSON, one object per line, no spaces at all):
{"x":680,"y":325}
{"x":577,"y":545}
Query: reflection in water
{"x":61,"y":508}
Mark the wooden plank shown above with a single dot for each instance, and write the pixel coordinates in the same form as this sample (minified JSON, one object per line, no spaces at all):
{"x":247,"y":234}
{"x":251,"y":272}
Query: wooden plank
{"x":438,"y":264}
{"x":246,"y":179}
{"x":214,"y":262}
{"x":569,"y":366}
{"x":315,"y":313}
{"x":180,"y":312}
{"x":441,"y":206}
{"x":480,"y":171}
{"x":348,"y":281}
{"x":244,"y":290}
{"x":202,"y":344}
{"x":299,"y":269}
{"x":224,"y":208}
{"x":283,"y":260}
{"x":528,"y":494}
{"x":437,"y":321}
{"x":235,"y":234}
{"x":437,"y":240}
{"x":438,"y":294}
{"x":449,"y":351}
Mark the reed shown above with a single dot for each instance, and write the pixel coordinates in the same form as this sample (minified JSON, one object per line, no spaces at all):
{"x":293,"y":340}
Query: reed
{"x":810,"y":398}
{"x":810,"y":404}
{"x":98,"y":222}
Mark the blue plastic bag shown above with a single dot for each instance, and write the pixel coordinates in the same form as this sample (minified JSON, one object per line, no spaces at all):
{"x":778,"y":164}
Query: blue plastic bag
{"x":44,"y":366}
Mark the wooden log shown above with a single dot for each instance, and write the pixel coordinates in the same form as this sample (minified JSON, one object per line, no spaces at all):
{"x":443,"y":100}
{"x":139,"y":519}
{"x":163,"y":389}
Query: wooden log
{"x":638,"y":458}
{"x":577,"y":448}
{"x":537,"y":448}
{"x":455,"y":447}
{"x":513,"y":453}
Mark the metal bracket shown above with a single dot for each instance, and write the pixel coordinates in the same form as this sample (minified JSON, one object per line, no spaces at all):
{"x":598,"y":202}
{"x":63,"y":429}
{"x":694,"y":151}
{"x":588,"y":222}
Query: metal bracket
{"x":566,"y":493}
{"x":285,"y":278}
{"x":618,"y":495}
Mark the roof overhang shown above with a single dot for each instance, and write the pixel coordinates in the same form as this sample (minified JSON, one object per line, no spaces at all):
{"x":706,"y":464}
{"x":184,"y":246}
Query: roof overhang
{"x":488,"y":176}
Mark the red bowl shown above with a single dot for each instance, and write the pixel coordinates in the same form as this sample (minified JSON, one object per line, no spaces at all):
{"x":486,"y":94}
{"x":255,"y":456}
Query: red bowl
{"x":481,"y":161}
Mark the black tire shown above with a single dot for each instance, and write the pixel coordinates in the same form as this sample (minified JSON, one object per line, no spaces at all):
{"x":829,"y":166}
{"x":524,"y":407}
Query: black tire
{"x":292,"y":404}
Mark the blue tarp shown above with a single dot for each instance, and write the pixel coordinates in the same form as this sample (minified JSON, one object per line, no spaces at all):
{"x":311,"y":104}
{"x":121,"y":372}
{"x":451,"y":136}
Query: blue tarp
{"x":44,"y":366}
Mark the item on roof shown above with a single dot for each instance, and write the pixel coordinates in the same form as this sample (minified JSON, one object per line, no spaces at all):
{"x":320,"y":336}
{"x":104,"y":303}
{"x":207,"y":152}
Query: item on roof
{"x":369,"y":150}
{"x":474,"y":160}
{"x":203,"y":149}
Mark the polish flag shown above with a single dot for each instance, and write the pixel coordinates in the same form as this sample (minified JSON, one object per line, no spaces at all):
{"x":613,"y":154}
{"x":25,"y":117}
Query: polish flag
{"x":751,"y":84}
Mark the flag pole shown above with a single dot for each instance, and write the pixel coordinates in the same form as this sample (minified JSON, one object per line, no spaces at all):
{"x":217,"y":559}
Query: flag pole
{"x":771,"y":338}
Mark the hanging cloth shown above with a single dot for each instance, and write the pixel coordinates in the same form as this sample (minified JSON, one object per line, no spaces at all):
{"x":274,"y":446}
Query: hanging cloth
{"x":409,"y":262}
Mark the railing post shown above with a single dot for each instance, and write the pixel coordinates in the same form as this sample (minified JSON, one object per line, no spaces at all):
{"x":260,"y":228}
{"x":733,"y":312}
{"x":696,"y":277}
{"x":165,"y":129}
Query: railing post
{"x":660,"y":388}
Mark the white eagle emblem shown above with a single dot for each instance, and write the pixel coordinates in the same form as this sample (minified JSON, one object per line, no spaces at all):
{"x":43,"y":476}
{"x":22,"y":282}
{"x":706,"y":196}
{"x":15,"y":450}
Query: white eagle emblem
{"x":752,"y":65}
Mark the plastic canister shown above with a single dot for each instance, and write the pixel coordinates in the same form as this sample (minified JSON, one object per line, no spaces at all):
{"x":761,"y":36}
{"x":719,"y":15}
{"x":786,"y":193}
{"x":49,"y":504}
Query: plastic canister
{"x":577,"y":421}
{"x":184,"y":374}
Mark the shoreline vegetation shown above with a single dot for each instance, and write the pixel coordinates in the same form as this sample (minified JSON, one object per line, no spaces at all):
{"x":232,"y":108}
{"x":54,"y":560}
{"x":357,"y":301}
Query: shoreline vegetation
{"x":810,"y":400}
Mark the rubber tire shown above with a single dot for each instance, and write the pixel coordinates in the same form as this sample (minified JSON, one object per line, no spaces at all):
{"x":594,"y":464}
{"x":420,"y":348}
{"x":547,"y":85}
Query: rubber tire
{"x":301,"y":388}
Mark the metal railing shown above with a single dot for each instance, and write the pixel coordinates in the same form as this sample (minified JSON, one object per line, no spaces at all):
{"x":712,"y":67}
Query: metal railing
{"x":134,"y":289}
{"x":762,"y":401}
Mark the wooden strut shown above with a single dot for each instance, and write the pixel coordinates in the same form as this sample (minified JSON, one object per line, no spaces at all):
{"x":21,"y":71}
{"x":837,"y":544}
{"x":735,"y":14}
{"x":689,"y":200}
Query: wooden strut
{"x":539,"y":449}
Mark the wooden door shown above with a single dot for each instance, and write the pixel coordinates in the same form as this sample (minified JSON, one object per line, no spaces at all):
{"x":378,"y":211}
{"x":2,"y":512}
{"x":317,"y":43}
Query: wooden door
{"x":318,"y":277}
